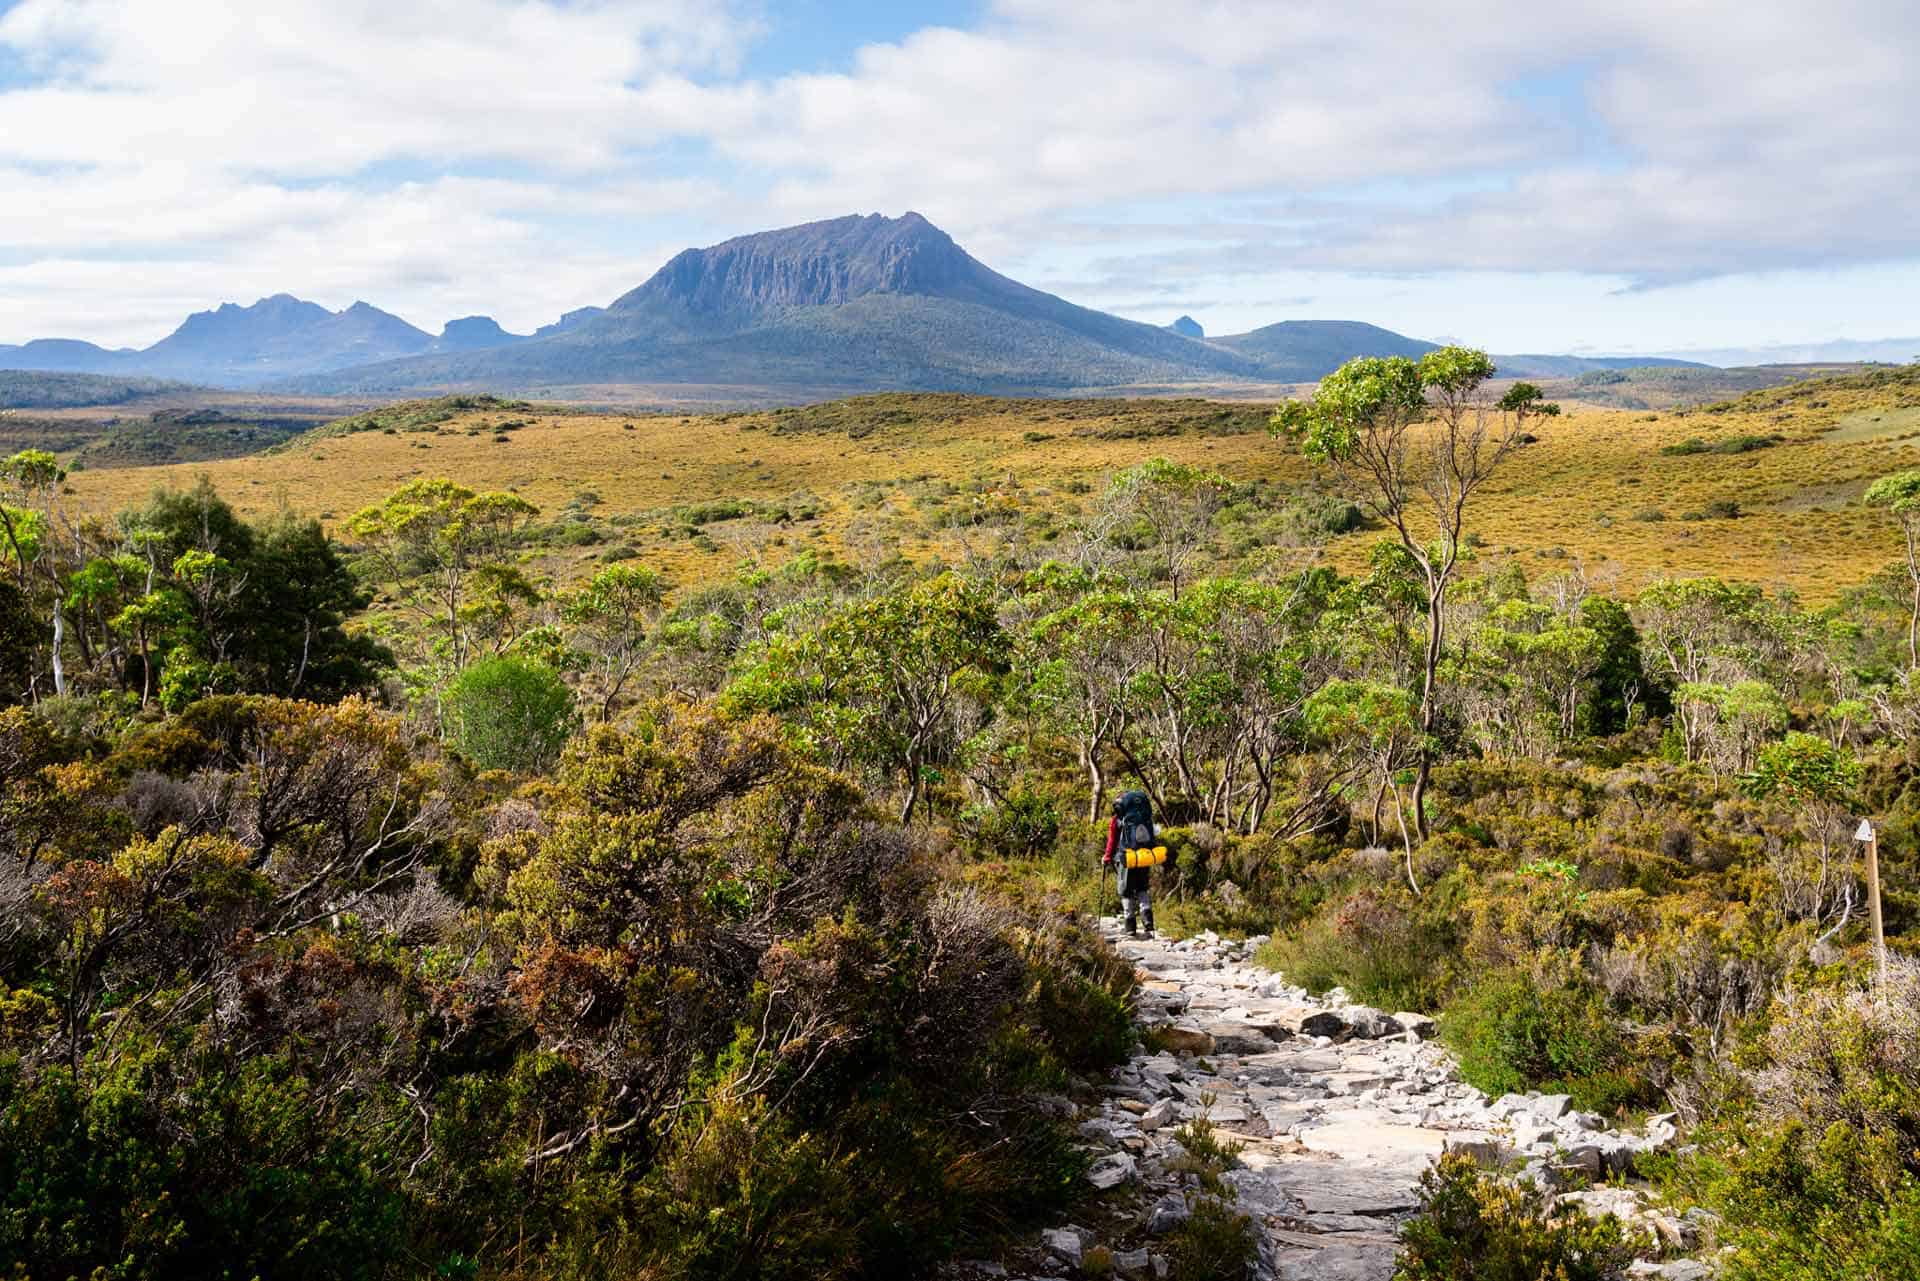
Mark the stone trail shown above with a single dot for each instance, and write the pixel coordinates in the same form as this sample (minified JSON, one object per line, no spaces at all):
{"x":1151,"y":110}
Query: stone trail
{"x":1340,"y":1108}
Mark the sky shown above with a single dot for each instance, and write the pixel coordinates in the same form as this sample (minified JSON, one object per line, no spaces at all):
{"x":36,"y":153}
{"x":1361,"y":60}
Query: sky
{"x":1628,"y":177}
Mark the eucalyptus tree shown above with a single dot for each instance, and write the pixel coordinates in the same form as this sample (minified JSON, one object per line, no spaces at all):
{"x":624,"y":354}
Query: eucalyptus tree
{"x":29,"y":489}
{"x":1818,"y":781}
{"x":1375,"y":727}
{"x":1414,"y":441}
{"x":430,"y":540}
{"x":1899,"y":496}
{"x":1081,"y":662}
{"x":612,"y":616}
{"x":893,"y":684}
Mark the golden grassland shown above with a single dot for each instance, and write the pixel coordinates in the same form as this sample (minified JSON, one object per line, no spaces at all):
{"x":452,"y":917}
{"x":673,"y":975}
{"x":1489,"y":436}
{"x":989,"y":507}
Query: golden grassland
{"x":905,"y":472}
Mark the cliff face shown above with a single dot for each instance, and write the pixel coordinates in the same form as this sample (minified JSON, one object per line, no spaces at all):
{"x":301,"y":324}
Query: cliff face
{"x":820,"y":264}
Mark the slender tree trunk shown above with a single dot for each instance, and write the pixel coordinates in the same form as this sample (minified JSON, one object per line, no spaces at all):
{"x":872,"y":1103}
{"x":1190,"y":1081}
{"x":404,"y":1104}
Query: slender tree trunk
{"x":1436,"y":623}
{"x":59,"y":637}
{"x":1913,"y":613}
{"x":1090,"y":757}
{"x":1406,"y":838}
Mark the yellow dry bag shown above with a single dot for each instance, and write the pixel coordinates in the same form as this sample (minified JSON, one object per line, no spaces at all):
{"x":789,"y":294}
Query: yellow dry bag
{"x":1147,"y":858}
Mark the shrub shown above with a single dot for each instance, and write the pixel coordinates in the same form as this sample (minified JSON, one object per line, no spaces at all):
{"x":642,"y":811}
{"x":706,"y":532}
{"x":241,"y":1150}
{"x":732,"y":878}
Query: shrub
{"x":1476,"y":1226}
{"x":1025,"y":824}
{"x":1513,"y":1033}
{"x":509,"y":713}
{"x":1817,"y":1174}
{"x":1214,"y":1244}
{"x":1374,"y":944}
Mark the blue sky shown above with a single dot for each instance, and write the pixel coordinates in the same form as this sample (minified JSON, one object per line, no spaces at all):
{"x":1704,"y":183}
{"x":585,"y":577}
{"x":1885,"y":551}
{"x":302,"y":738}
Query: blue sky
{"x":1626,"y":177}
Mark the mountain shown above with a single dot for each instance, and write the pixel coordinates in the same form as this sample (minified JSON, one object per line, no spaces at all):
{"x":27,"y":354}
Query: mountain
{"x":233,"y":346}
{"x":571,"y":320}
{"x":1536,"y":366}
{"x":277,"y":337}
{"x":860,"y":303}
{"x":474,"y":333}
{"x":856,"y":302}
{"x":65,"y":356}
{"x":1306,"y":350}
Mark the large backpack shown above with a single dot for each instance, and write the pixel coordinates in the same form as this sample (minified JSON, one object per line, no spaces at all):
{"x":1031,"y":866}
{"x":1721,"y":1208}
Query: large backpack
{"x":1135,"y":813}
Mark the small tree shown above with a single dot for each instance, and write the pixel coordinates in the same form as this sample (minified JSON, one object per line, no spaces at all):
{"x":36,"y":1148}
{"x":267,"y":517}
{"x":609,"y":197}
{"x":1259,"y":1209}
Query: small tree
{"x":509,"y":713}
{"x":1899,"y":496}
{"x":612,"y":616}
{"x":1416,"y":440}
{"x":1818,"y":782}
{"x":430,"y":538}
{"x":1375,"y":725}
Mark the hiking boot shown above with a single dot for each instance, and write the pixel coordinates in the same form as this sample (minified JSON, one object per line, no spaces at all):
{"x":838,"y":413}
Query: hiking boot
{"x":1133,"y":930}
{"x":1149,"y":922}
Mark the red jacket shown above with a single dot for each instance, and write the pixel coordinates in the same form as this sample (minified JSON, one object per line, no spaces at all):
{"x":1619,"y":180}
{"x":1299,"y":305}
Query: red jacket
{"x":1113,"y":839}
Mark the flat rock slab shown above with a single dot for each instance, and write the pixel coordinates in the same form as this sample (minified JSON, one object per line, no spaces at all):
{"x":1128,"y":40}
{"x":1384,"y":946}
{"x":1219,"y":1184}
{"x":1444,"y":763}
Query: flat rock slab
{"x":1336,"y":1260}
{"x":1361,"y":1137}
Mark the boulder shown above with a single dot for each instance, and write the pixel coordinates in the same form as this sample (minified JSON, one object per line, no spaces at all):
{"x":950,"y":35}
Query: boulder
{"x":1160,"y":1114}
{"x":1422,"y":1027}
{"x":1327,"y":1023}
{"x":1184,"y":1038}
{"x":1133,"y":1265}
{"x":1235,"y":1038}
{"x":1064,"y":1245}
{"x":1551,"y":1107}
{"x":1167,"y":1214}
{"x":1480,"y":1149}
{"x":1111,"y":1170}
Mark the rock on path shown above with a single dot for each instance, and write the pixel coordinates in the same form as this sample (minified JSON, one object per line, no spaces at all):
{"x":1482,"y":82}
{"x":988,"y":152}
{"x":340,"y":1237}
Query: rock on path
{"x":1340,"y":1109}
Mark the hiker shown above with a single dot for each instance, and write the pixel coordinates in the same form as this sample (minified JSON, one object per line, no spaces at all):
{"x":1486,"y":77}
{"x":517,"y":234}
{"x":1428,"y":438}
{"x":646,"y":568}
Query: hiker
{"x":1131,"y":831}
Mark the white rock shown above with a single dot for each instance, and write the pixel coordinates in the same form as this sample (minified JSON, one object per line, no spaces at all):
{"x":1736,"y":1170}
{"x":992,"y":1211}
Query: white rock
{"x":1111,"y":1170}
{"x":1063,"y":1244}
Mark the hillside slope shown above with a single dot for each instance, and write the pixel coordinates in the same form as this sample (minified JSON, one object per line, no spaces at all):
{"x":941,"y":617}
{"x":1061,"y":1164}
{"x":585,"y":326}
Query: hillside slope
{"x":1305,"y":350}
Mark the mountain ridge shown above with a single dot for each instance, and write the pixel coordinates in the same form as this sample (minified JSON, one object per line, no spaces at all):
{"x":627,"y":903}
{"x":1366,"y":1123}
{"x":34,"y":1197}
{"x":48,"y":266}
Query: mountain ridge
{"x":859,"y":302}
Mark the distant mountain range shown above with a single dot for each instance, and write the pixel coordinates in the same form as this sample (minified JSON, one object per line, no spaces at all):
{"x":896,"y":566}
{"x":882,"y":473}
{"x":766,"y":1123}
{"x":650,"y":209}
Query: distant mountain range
{"x":854,"y":303}
{"x":275,"y":339}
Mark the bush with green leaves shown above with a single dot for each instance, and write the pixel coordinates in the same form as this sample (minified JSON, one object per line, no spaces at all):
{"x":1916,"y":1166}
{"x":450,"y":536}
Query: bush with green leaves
{"x":509,"y":713}
{"x":1474,"y":1225}
{"x":1814,"y":1163}
{"x":1512,"y":1033}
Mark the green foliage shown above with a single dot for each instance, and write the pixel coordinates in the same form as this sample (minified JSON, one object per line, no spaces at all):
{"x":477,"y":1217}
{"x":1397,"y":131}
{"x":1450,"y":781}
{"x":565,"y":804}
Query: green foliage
{"x":1813,"y":1163}
{"x":1214,"y":1244}
{"x":509,"y":713}
{"x":1475,"y":1226}
{"x":1377,"y":944}
{"x":1514,"y":1033}
{"x":1804,"y":769}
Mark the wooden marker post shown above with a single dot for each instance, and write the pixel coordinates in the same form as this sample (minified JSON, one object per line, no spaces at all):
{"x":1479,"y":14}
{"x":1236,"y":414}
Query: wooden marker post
{"x":1871,"y":839}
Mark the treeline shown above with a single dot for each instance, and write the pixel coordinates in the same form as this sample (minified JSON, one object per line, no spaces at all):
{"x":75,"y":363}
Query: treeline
{"x":657,"y":928}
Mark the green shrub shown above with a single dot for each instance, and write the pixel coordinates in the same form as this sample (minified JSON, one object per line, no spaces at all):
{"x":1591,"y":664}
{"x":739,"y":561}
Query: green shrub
{"x":1816,"y":1173}
{"x":1024,"y":824}
{"x":1372,"y":942}
{"x":1512,"y":1033}
{"x":1476,"y":1226}
{"x":509,"y":713}
{"x":1214,"y":1244}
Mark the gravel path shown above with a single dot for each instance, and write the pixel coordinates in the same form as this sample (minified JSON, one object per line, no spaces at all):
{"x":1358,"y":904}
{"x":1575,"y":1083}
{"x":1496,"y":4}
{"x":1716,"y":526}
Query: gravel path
{"x":1339,"y":1108}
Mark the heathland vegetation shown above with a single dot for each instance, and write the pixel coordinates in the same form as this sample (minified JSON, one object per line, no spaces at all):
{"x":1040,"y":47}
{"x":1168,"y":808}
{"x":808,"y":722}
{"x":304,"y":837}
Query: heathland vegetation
{"x":659,"y":846}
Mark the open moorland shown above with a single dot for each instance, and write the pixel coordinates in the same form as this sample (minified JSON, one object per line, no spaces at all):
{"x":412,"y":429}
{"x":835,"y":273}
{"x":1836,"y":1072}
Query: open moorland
{"x":1765,"y":488}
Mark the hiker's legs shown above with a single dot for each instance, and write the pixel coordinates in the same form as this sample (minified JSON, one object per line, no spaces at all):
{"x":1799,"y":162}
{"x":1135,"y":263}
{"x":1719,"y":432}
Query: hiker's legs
{"x":1137,"y":902}
{"x":1145,"y":900}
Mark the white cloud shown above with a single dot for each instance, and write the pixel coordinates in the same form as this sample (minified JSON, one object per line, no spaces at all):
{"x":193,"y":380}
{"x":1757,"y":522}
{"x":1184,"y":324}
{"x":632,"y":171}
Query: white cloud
{"x":525,"y":156}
